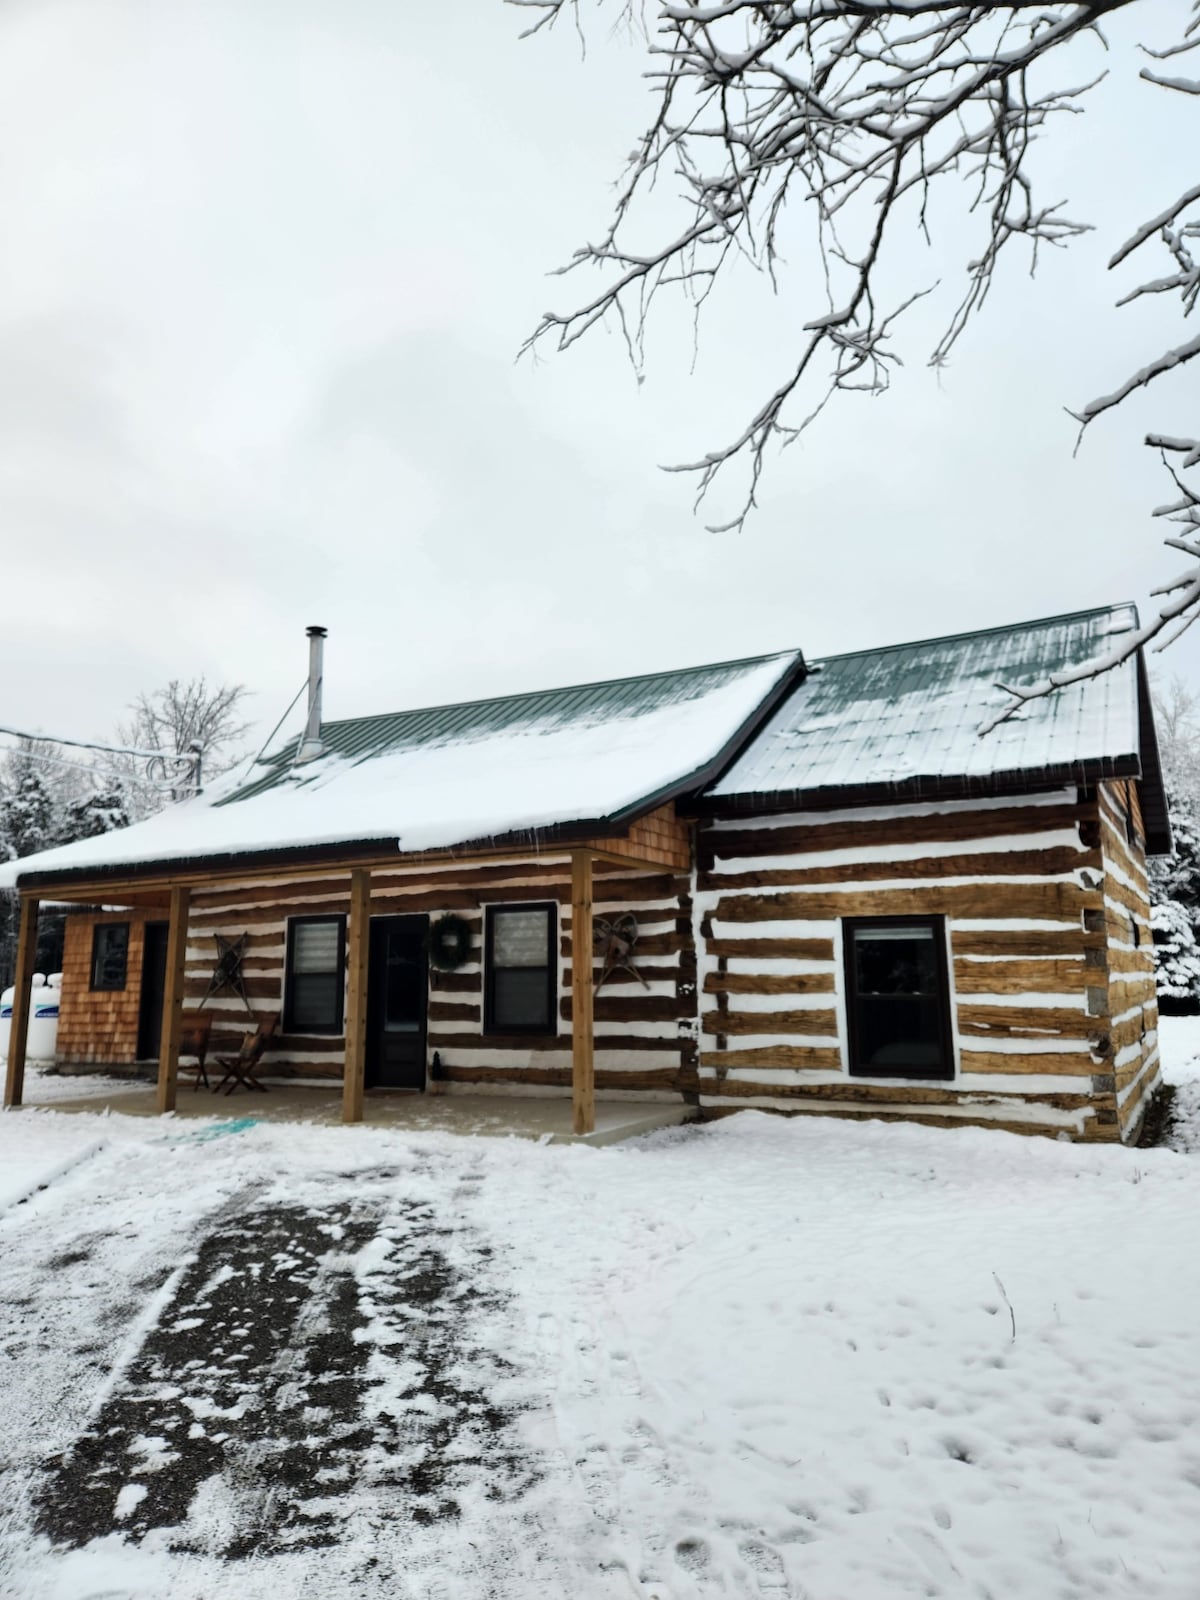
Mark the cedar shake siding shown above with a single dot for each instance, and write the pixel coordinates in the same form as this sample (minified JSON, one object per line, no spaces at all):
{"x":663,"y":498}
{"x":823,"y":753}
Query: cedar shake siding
{"x":98,"y":1025}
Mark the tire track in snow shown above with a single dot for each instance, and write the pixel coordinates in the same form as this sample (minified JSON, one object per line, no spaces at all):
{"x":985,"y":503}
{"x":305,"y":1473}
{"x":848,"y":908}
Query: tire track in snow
{"x":317,"y":1363}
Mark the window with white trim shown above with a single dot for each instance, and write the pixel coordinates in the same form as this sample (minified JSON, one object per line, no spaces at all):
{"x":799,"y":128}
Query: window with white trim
{"x":898,"y":998}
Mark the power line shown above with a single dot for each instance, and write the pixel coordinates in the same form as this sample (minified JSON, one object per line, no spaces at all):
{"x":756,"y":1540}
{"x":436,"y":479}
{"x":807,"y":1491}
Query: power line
{"x":108,"y":749}
{"x":97,"y":774}
{"x":50,"y":761}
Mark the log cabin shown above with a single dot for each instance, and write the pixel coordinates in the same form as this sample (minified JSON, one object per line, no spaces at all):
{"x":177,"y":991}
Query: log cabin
{"x":799,"y":886}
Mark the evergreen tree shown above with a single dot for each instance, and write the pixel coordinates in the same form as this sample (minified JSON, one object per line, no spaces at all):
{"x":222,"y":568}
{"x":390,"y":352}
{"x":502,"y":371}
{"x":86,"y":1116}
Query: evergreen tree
{"x":1175,"y":910}
{"x":39,"y":808}
{"x":1176,"y":959}
{"x":27,"y":818}
{"x":94,"y":814}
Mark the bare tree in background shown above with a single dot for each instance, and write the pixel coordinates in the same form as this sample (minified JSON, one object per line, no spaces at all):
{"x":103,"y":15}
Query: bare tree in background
{"x":1177,"y":720}
{"x":179,"y":719}
{"x":856,"y":109}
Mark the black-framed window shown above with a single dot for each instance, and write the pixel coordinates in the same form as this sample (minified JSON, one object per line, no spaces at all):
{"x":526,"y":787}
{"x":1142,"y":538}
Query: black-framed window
{"x":521,"y":969}
{"x":898,"y":997}
{"x":316,"y":968}
{"x":110,"y":955}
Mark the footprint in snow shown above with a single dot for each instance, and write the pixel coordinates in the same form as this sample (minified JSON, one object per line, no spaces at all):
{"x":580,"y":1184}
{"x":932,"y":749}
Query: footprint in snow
{"x":692,"y":1555}
{"x":767,"y":1564}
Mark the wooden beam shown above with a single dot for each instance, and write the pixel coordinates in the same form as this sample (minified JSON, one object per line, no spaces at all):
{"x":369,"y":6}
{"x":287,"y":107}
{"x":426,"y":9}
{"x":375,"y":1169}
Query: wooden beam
{"x":583,"y":1070}
{"x":153,"y":888}
{"x":635,"y":863}
{"x":14,"y":1081}
{"x":172,"y":1011}
{"x":358,"y":948}
{"x":118,"y":892}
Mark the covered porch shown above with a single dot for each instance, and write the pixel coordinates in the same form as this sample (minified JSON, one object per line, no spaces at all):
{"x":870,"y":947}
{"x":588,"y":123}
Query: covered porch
{"x":542,"y":1118}
{"x":541,"y":1106}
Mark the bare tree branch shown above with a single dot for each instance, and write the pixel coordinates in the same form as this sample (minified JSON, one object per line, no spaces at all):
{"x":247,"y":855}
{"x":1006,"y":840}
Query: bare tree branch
{"x":853,"y":106}
{"x":857,"y":110}
{"x":177,"y":719}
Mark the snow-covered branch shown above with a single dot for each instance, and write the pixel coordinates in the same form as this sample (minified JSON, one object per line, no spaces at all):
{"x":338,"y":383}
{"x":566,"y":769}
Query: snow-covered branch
{"x":856,"y":108}
{"x":1182,"y":594}
{"x":852,"y":113}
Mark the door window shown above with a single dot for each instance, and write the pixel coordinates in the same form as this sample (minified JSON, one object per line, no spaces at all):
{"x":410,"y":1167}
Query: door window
{"x":404,"y":983}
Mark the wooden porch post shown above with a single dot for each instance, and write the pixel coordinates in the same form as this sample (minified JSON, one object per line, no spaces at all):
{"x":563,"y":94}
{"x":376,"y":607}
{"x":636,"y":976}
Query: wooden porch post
{"x":358,"y":945}
{"x":172,"y":1011}
{"x":583,"y":1075}
{"x":14,"y":1082}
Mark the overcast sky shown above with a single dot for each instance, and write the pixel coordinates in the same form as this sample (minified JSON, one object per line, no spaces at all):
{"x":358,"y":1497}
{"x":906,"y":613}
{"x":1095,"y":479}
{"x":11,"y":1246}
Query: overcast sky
{"x":266,"y":267}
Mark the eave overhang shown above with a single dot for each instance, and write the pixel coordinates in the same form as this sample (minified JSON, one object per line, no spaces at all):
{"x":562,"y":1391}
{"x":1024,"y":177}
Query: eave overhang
{"x":384,"y":851}
{"x":931,"y":787}
{"x":1156,"y":820}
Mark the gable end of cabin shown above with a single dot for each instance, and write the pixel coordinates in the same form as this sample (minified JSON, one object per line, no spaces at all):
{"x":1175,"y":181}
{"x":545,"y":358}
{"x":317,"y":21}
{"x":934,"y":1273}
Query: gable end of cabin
{"x":981,"y":961}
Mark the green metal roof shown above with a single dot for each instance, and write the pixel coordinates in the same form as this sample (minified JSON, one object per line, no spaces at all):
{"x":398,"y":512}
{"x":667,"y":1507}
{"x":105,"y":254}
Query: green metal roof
{"x":906,"y":718}
{"x":360,"y":739}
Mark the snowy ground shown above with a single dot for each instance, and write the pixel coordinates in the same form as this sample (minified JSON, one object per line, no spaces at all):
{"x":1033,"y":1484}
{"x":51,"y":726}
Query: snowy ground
{"x":802,"y":1359}
{"x":44,"y":1087}
{"x":1181,"y":1068}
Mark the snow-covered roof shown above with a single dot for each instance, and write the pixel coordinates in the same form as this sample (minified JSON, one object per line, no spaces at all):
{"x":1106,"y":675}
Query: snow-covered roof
{"x":452,"y":775}
{"x":908,"y":717}
{"x":900,"y":722}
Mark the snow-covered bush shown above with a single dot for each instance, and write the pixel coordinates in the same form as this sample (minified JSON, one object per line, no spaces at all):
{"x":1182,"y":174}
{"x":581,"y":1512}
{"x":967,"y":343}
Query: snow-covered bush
{"x":1176,"y":959}
{"x":1175,"y":910}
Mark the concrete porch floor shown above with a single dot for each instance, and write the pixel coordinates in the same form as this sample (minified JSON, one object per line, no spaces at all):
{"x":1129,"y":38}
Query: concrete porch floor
{"x":491,"y":1115}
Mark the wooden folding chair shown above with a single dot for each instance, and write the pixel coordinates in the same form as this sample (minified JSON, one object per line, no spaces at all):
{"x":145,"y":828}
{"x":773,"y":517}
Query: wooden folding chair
{"x":193,"y":1041}
{"x":243,"y":1067}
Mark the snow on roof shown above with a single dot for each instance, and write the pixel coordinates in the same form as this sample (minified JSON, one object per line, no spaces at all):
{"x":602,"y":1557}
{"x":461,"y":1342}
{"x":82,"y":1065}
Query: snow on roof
{"x":913,"y":711}
{"x":449,"y":775}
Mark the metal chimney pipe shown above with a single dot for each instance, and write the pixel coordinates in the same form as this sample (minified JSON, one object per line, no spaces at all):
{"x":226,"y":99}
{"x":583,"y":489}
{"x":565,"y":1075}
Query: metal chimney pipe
{"x":312,"y":747}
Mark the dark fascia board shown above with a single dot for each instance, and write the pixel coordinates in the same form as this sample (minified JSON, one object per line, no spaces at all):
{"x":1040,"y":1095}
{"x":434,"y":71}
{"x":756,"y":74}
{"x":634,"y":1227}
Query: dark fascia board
{"x":247,"y":862}
{"x":834,"y":797}
{"x":135,"y":871}
{"x":1156,"y":819}
{"x":713,"y":770}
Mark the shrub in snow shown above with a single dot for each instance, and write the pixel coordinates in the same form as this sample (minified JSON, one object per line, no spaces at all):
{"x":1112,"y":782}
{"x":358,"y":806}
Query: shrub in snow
{"x":1176,"y":960}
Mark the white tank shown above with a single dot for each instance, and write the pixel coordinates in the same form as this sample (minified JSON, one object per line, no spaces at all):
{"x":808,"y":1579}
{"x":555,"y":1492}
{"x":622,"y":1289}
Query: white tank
{"x":42,"y":1038}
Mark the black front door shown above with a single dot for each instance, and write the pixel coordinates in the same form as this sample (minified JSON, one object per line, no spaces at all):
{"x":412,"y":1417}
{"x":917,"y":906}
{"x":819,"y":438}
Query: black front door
{"x":154,"y":977}
{"x":397,"y":987}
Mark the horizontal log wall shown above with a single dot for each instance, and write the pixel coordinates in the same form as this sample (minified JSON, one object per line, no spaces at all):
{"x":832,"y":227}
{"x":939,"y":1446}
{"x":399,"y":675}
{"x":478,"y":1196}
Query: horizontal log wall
{"x":1055,"y":1027}
{"x":1021,"y":886}
{"x":1133,"y":1001}
{"x":98,"y":1025}
{"x":645,"y":1032}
